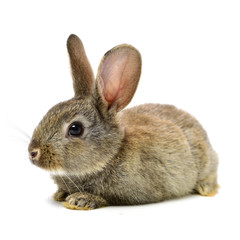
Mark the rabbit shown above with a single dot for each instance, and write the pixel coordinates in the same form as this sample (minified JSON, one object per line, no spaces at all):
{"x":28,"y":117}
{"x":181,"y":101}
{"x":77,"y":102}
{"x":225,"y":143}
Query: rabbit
{"x":100,"y":154}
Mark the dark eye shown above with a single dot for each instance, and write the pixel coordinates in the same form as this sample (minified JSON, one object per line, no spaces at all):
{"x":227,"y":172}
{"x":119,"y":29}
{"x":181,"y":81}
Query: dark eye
{"x":75,"y":129}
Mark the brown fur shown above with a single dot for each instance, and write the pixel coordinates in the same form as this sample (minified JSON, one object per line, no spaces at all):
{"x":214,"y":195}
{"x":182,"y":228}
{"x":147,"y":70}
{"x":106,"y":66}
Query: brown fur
{"x":144,"y":154}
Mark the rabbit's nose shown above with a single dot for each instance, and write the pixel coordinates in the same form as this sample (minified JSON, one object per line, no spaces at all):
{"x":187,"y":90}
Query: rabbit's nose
{"x":34,"y":154}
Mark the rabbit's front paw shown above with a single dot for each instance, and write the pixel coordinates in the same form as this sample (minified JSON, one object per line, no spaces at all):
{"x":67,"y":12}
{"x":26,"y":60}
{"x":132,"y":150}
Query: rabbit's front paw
{"x":84,"y":201}
{"x":60,"y":195}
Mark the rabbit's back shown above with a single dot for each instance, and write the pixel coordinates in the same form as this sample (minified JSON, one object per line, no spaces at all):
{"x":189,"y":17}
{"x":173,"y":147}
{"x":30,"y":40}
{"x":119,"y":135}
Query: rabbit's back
{"x":166,"y":123}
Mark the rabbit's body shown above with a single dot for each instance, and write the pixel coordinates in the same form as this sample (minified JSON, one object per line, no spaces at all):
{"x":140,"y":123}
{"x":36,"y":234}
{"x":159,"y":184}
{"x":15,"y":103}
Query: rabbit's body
{"x":175,"y":166}
{"x":100,"y":155}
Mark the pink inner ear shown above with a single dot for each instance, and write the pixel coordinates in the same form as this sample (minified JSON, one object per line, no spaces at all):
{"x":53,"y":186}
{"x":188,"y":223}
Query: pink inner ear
{"x":119,"y":73}
{"x":113,"y":76}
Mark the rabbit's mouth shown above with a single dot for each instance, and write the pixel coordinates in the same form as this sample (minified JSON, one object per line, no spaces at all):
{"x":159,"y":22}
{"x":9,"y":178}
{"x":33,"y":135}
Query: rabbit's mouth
{"x":44,"y":157}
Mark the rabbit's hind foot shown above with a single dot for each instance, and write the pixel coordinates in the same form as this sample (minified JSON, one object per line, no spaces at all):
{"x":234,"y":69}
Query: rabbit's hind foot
{"x":208,"y":186}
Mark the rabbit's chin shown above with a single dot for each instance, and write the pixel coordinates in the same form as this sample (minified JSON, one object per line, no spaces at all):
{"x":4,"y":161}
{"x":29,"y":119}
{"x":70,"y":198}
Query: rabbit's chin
{"x":60,"y":172}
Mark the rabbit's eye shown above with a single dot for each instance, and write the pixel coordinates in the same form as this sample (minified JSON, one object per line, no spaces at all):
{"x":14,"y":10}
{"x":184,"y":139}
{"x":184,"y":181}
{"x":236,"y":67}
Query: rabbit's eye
{"x":75,"y":129}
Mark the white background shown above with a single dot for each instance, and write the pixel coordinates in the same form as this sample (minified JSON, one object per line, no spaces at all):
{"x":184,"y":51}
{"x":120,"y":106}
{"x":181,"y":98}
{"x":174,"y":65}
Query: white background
{"x":191,"y":58}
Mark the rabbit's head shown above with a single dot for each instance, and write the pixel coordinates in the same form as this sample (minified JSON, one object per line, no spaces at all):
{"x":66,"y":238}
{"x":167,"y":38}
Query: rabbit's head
{"x":81,"y":135}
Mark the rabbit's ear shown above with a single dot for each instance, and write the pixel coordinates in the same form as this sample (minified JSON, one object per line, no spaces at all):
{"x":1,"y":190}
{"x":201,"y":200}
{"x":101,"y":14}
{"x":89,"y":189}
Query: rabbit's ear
{"x":82,"y":74}
{"x":118,"y":75}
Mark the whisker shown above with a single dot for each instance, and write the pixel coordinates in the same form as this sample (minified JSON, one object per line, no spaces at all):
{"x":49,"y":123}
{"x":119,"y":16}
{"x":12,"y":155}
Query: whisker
{"x":14,"y":126}
{"x":19,"y":139}
{"x":63,"y":182}
{"x":73,"y":182}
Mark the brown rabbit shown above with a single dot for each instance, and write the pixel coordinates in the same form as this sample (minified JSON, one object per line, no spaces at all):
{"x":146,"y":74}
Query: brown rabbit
{"x":99,"y":155}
